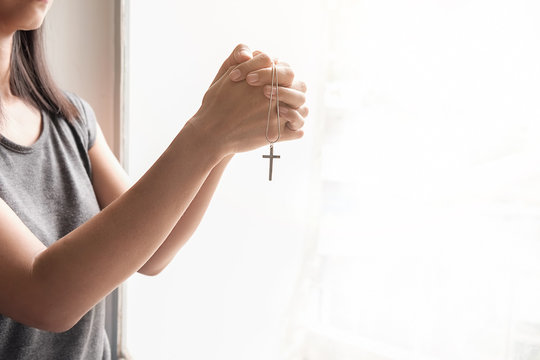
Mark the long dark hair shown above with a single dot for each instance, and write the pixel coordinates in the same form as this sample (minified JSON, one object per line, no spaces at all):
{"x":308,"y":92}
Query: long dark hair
{"x":30,"y":78}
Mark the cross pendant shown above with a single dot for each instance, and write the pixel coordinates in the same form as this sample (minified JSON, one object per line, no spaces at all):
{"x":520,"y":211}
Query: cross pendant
{"x":271,"y":157}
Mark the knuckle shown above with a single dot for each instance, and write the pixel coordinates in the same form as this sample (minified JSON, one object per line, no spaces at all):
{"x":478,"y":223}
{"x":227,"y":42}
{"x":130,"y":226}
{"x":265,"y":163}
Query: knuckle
{"x":241,"y":46}
{"x":289,"y":74}
{"x":240,"y":52}
{"x":297,"y":124}
{"x":264,"y":58}
{"x":284,"y":63}
{"x":294,"y":133}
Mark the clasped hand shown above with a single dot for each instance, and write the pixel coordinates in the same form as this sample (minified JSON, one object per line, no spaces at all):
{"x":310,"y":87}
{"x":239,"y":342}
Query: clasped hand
{"x":234,"y":110}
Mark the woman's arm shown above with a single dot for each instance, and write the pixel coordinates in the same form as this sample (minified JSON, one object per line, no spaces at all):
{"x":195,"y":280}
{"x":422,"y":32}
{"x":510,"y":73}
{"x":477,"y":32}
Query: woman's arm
{"x":52,"y":288}
{"x":111,"y":181}
{"x":187,"y":224}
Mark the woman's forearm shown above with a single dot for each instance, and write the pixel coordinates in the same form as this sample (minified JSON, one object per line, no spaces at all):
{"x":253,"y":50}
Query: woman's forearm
{"x":67,"y":279}
{"x":80,"y":269}
{"x":187,"y":224}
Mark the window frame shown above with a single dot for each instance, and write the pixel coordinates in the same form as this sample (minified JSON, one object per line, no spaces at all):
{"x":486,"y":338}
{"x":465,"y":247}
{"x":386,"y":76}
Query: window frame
{"x":116,"y":301}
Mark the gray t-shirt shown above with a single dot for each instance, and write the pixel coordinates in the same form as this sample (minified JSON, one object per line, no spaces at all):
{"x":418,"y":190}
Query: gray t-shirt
{"x":48,"y":185}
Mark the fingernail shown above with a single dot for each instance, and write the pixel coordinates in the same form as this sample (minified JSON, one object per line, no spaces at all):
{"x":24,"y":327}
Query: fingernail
{"x":252,"y":78}
{"x":283,"y":110}
{"x":235,"y":75}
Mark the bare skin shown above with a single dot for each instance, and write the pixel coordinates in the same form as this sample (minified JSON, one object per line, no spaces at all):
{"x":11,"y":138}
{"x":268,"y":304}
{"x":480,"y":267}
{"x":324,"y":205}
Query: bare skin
{"x":141,"y":227}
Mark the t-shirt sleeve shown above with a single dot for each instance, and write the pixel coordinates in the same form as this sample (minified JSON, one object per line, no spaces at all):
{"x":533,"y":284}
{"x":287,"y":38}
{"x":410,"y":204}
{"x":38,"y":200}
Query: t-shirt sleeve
{"x":89,"y":118}
{"x":87,"y":122}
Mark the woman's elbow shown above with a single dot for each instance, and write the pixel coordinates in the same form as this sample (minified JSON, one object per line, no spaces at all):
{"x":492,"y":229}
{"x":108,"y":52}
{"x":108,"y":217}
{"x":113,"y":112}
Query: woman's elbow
{"x":56,"y":326}
{"x":49,"y":320}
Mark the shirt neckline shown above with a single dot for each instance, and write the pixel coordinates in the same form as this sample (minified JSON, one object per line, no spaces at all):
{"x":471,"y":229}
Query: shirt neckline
{"x":36,"y":145}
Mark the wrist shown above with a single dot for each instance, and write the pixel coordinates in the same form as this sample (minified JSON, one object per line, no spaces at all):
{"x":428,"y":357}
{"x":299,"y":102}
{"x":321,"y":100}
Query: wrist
{"x":205,"y":139}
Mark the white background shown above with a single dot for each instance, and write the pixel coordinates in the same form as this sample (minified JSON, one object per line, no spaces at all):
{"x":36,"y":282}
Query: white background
{"x":403,"y":226}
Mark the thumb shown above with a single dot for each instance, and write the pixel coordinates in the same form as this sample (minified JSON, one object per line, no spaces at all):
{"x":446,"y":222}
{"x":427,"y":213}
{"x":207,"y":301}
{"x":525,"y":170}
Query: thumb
{"x":240,"y":54}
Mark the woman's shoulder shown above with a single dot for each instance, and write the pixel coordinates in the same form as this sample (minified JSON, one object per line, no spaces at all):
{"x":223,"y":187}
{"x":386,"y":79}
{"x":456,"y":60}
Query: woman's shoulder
{"x":86,"y":122}
{"x":85,"y":109}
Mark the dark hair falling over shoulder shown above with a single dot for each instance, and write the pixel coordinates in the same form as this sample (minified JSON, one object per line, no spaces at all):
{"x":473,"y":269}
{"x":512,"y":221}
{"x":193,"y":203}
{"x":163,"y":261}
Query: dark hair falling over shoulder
{"x":30,"y":78}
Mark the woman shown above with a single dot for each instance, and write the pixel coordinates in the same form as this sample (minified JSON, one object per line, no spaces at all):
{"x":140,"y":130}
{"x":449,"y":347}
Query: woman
{"x":71,"y":229}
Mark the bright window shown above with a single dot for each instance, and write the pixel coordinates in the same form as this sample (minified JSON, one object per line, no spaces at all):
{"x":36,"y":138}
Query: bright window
{"x":405,"y":225}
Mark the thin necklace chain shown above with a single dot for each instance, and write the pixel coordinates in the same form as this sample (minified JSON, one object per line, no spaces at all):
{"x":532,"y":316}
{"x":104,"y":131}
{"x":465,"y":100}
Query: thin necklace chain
{"x":274,"y":75}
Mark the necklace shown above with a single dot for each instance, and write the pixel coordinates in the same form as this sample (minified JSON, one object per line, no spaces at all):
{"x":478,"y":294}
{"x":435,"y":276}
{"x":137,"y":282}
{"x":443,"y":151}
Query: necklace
{"x":271,"y":156}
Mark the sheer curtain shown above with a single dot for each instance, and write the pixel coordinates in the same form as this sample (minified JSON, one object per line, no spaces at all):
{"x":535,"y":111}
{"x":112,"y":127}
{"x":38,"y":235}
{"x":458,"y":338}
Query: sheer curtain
{"x":405,"y":225}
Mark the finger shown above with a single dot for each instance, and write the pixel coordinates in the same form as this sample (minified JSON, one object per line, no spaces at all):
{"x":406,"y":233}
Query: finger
{"x":294,"y":120}
{"x":240,"y":54}
{"x":258,"y":62}
{"x":257,"y":52}
{"x":303,"y":111}
{"x":299,"y":85}
{"x":264,"y":76}
{"x":280,"y":62}
{"x":289,"y":130}
{"x":288,"y":134}
{"x":291,"y":97}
